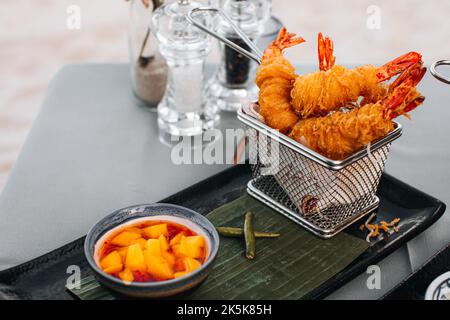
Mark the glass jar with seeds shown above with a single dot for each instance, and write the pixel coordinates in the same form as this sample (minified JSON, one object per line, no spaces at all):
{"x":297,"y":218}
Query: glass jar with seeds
{"x":148,"y":67}
{"x":233,"y":83}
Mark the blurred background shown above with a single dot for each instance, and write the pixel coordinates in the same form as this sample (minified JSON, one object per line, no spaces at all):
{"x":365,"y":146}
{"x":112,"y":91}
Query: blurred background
{"x":35,"y":42}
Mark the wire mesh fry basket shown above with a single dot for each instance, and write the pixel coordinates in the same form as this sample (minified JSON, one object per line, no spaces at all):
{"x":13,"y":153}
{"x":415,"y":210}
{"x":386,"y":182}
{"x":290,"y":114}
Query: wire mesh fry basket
{"x":323,"y":195}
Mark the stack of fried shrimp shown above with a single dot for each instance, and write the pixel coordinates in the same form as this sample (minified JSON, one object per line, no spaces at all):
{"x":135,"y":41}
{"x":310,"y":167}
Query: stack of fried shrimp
{"x":322,"y":110}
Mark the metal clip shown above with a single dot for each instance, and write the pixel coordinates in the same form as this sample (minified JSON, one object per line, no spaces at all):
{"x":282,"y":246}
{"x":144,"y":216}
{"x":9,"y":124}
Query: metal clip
{"x":256,"y":56}
{"x":436,"y":74}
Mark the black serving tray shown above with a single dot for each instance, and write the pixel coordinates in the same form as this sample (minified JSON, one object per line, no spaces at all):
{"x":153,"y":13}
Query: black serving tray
{"x":45,"y":277}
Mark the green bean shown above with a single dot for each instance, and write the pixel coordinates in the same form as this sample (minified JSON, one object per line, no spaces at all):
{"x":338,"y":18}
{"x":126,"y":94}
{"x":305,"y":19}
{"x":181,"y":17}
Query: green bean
{"x":239,"y":232}
{"x":249,"y":234}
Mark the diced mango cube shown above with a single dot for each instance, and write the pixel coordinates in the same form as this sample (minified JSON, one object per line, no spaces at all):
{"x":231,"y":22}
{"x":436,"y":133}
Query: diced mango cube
{"x":140,"y":241}
{"x":126,"y":275}
{"x":176,"y":240}
{"x":135,"y":258}
{"x":151,"y":258}
{"x":112,"y":259}
{"x":153,"y":246}
{"x":124,"y":238}
{"x":169,"y":257}
{"x":192,"y":246}
{"x":164,"y":244}
{"x":161,"y":271}
{"x":176,"y":250}
{"x":179,"y":274}
{"x":134,"y":230}
{"x":156,"y":230}
{"x":196,"y":241}
{"x":123,"y":253}
{"x":157,"y":266}
{"x":191,"y":264}
{"x":114,"y":269}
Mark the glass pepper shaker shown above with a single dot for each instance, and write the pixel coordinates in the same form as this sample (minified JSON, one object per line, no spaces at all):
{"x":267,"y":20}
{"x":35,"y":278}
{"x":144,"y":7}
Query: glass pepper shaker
{"x":183,"y":110}
{"x":233,"y":83}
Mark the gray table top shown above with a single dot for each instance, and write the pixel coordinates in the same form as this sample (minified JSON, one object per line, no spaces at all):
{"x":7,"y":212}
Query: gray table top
{"x":93,"y":150}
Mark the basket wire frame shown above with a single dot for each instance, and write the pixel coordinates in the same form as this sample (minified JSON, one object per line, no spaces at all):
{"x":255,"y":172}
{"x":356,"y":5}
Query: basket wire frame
{"x":322,"y":199}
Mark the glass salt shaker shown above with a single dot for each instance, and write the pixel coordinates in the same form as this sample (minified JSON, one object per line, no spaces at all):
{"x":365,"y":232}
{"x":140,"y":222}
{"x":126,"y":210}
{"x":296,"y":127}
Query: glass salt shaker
{"x":183,"y":110}
{"x":234,"y":81}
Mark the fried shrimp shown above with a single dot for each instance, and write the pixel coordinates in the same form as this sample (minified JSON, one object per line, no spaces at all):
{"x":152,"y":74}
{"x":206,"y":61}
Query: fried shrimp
{"x":274,"y":78}
{"x":340,"y":134}
{"x":334,"y":86}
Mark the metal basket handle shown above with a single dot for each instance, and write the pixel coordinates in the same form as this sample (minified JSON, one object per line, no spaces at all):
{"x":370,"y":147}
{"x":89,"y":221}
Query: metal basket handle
{"x":256,"y":56}
{"x":436,"y":74}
